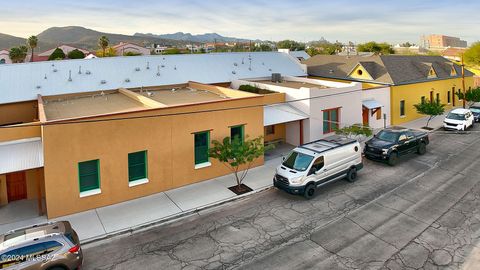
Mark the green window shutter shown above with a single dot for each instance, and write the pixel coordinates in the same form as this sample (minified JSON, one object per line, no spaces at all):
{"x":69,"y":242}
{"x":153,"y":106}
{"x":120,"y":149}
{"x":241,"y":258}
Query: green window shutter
{"x":326,"y":122}
{"x":137,"y":165}
{"x":237,"y":132}
{"x":202,"y":144}
{"x":88,"y":175}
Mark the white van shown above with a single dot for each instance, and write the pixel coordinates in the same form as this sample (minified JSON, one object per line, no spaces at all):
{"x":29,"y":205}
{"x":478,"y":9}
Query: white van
{"x":318,"y":163}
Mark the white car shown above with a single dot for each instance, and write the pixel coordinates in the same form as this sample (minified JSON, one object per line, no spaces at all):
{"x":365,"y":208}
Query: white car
{"x":458,"y":119}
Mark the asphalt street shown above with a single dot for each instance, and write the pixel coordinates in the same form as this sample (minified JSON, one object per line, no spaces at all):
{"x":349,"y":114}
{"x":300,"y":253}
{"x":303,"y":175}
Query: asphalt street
{"x":423,"y":213}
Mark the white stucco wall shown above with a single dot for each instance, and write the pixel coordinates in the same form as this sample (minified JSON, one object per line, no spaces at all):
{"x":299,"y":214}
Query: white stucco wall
{"x":313,"y":101}
{"x":382,"y":95}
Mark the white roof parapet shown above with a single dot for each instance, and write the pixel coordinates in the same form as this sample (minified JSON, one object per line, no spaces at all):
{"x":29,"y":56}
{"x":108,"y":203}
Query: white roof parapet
{"x":23,"y":82}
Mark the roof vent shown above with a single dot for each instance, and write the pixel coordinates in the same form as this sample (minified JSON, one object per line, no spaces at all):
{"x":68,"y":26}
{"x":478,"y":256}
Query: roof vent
{"x":103,"y":81}
{"x":80,"y":70}
{"x":88,"y":72}
{"x":38,"y":87}
{"x":235,"y":64}
{"x":162,"y":66}
{"x":158,"y":71}
{"x":55,"y":70}
{"x":149,"y":94}
{"x":148,"y":65}
{"x":69,"y":75}
{"x":234,"y":72}
{"x":173,"y":90}
{"x":175,"y":67}
{"x":269,"y":69}
{"x":276,"y":77}
{"x":137,"y":69}
{"x":45,"y":77}
{"x":330,"y":71}
{"x":127,"y":80}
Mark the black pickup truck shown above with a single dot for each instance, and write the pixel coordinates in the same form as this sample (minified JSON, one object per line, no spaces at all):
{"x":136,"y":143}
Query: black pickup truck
{"x":390,"y":143}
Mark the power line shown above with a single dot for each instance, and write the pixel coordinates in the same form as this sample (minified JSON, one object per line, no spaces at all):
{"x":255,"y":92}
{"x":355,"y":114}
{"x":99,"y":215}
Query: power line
{"x":170,"y":114}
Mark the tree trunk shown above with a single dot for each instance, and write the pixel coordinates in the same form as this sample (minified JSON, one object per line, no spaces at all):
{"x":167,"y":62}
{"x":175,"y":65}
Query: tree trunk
{"x":31,"y":58}
{"x":428,"y":121}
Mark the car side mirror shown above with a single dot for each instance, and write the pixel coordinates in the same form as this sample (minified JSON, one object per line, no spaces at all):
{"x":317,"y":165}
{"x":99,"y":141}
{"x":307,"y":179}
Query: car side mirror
{"x":283,"y":158}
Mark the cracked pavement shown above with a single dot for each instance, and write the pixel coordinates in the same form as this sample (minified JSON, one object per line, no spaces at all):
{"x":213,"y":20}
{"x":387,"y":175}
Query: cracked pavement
{"x":422,"y":214}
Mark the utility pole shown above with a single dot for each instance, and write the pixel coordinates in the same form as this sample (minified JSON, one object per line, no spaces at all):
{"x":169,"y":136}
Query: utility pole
{"x":463,"y":81}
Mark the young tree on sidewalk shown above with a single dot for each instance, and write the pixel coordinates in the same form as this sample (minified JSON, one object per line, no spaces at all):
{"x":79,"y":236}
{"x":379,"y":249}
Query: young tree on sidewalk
{"x":431,"y":109}
{"x":238,"y":154}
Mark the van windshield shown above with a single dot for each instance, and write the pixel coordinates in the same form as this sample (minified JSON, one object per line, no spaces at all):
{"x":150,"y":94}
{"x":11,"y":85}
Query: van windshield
{"x":298,"y":161}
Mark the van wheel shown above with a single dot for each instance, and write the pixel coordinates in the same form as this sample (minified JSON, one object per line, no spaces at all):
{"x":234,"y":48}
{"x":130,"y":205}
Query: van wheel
{"x":309,"y":191}
{"x":422,"y":149}
{"x":392,"y":159}
{"x":352,"y":175}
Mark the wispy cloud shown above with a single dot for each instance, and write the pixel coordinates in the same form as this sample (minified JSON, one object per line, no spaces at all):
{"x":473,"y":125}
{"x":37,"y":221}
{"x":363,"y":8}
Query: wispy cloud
{"x":344,"y":20}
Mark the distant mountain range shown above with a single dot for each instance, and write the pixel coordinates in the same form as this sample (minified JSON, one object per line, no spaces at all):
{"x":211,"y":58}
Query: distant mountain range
{"x":84,"y":38}
{"x":203,"y":38}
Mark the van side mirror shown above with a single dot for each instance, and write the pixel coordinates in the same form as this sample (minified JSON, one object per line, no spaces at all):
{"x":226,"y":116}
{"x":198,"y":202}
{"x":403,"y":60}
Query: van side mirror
{"x":283,"y":158}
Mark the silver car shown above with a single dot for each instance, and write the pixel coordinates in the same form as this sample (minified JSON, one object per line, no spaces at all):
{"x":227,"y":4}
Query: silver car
{"x":50,"y":246}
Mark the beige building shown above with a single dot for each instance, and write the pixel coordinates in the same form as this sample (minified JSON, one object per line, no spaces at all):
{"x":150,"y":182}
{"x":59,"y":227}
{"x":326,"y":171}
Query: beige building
{"x":82,"y":134}
{"x":442,"y":41}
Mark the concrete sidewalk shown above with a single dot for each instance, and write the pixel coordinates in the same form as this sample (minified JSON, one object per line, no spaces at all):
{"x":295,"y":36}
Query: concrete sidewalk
{"x":435,"y":123}
{"x":161,"y":207}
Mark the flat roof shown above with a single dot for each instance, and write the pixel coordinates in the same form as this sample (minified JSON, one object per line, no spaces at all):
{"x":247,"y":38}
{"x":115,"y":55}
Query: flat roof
{"x":292,"y":84}
{"x":89,"y":105}
{"x":129,"y":100}
{"x":182,"y":95}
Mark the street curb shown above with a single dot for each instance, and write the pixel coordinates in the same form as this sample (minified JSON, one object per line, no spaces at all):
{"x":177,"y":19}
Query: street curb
{"x":169,"y":219}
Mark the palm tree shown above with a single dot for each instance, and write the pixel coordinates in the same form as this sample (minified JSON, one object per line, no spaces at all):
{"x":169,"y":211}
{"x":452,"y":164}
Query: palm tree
{"x":18,"y":54}
{"x":32,"y":42}
{"x":103,"y":43}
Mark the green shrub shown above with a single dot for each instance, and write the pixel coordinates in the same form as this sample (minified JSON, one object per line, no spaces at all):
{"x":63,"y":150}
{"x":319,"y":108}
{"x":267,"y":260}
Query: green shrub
{"x":57,"y":54}
{"x":76,"y":54}
{"x":255,"y":90}
{"x":131,"y":54}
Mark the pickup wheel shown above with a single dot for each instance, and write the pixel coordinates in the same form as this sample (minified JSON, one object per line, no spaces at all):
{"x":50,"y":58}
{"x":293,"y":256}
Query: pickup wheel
{"x":422,"y":148}
{"x":309,"y":191}
{"x":392,"y":159}
{"x":352,"y":175}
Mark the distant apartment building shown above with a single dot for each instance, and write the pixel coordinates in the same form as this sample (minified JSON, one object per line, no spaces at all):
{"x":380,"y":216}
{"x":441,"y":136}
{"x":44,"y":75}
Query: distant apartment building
{"x":442,"y":41}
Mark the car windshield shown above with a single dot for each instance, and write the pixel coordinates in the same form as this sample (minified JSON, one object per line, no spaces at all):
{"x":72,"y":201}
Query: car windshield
{"x":298,"y":161}
{"x":456,"y":116}
{"x":387,"y":136}
{"x":475,"y":109}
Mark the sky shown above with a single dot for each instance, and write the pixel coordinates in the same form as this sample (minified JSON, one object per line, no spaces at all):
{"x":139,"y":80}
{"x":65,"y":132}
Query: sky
{"x":302,"y":20}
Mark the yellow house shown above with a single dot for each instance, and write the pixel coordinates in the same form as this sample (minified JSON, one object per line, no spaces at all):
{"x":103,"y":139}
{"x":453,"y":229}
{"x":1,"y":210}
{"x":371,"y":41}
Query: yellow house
{"x":412,"y":79}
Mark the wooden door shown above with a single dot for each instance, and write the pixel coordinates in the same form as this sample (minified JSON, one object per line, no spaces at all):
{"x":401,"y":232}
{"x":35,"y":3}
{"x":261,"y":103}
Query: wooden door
{"x":365,"y":114}
{"x":16,"y":186}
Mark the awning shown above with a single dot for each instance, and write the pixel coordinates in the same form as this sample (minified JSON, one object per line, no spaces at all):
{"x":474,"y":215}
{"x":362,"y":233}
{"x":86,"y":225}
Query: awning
{"x":281,"y":113}
{"x":21,"y":155}
{"x":371,"y":104}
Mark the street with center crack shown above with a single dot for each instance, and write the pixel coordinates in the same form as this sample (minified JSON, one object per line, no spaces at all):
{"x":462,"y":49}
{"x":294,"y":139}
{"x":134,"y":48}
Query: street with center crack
{"x":423,"y":213}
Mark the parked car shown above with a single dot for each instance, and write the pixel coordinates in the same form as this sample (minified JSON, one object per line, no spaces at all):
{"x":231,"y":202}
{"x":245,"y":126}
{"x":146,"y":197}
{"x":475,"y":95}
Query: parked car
{"x":458,"y":119}
{"x":318,"y":163}
{"x":475,"y":109}
{"x":391,"y":143}
{"x":49,"y":246}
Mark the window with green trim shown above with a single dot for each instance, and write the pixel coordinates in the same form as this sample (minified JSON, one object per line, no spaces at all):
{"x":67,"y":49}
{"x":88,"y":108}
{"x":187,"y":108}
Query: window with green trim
{"x":237,"y":132}
{"x":89,"y":175}
{"x":137,"y":166}
{"x":202,"y":145}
